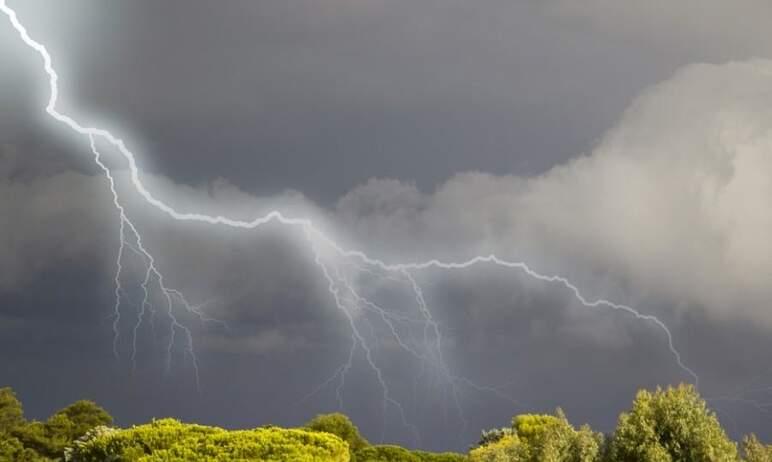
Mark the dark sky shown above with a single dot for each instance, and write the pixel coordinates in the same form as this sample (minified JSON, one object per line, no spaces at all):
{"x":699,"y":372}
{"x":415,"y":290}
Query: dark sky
{"x":623,"y":146}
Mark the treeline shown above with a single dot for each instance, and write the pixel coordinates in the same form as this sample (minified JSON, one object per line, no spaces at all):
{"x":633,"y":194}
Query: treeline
{"x":670,"y":425}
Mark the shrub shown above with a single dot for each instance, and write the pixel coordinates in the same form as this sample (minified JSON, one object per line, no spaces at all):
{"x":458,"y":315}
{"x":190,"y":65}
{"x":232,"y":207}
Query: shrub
{"x":168,"y":439}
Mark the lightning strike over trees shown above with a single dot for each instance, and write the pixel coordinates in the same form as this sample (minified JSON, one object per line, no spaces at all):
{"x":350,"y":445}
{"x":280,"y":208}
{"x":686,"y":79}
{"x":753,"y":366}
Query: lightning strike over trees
{"x":340,"y":268}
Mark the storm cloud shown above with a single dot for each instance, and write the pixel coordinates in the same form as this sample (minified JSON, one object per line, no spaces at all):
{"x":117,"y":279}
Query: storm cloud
{"x":410,"y":132}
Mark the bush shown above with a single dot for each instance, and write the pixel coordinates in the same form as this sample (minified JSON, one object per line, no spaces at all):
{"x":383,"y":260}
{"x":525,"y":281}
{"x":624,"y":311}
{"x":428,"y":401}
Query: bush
{"x":170,"y":440}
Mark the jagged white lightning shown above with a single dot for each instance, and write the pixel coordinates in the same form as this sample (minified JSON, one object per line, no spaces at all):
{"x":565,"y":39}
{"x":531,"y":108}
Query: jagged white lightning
{"x":343,"y":291}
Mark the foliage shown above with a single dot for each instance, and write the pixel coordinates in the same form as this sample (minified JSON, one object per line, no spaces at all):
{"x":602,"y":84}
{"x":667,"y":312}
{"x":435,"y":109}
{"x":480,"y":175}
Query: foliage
{"x":672,"y":425}
{"x":82,"y":416}
{"x":341,"y":426}
{"x":391,"y":453}
{"x":11,"y":413}
{"x":424,"y":456}
{"x":587,"y":445}
{"x":504,"y":449}
{"x":386,"y":453}
{"x":171,"y":440}
{"x":540,"y":438}
{"x":25,"y":441}
{"x":493,"y":435}
{"x":754,"y":451}
{"x":49,"y":439}
{"x":11,"y":422}
{"x":11,"y":449}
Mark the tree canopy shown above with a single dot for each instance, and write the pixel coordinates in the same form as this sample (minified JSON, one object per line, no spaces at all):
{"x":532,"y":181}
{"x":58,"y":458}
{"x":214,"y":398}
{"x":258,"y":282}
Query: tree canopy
{"x":671,"y":425}
{"x":170,"y":440}
{"x":664,"y":425}
{"x":341,"y":426}
{"x":11,"y":413}
{"x":539,"y":438}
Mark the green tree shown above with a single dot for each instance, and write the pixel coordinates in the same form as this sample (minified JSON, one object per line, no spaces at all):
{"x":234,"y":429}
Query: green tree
{"x":586,"y":446}
{"x":11,"y":412}
{"x":341,"y":426}
{"x":539,"y":438}
{"x":754,"y":451}
{"x":75,"y":420}
{"x":34,"y":437}
{"x":38,"y":441}
{"x":504,"y":449}
{"x":551,"y":438}
{"x":672,"y":425}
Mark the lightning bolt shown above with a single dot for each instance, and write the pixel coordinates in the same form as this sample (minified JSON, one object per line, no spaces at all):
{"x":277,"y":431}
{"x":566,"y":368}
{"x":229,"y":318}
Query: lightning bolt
{"x":342,"y":290}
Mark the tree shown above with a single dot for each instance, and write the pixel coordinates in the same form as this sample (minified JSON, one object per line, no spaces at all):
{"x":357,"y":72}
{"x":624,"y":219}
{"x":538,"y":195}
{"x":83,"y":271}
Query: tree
{"x":539,"y":438}
{"x":672,"y":425}
{"x":551,"y":438}
{"x":11,"y":449}
{"x":75,"y":420}
{"x":27,"y":441}
{"x":34,"y":439}
{"x":504,"y":449}
{"x":755,"y":451}
{"x":11,"y":412}
{"x":341,"y":426}
{"x":586,"y":445}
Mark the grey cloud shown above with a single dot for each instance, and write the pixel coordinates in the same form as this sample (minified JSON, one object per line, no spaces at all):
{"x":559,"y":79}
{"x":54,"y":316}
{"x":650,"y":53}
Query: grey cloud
{"x":716,"y":29}
{"x":665,"y":212}
{"x":672,"y":198}
{"x":262,"y":93}
{"x":670,"y":189}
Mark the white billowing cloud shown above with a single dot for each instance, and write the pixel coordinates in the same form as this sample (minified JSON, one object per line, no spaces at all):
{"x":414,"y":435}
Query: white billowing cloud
{"x":675,"y":198}
{"x":678,"y":194}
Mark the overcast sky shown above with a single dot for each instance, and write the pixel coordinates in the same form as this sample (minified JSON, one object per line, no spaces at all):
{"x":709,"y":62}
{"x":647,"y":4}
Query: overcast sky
{"x":624,"y":145}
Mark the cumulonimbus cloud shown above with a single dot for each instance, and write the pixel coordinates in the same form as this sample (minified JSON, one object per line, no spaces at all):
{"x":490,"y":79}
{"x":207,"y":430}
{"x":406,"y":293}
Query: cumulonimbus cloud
{"x":674,"y":199}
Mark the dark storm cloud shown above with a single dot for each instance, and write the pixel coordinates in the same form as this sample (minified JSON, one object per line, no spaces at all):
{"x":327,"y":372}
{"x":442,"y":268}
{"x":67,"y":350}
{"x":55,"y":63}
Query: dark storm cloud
{"x":234,"y":107}
{"x":318,"y":96}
